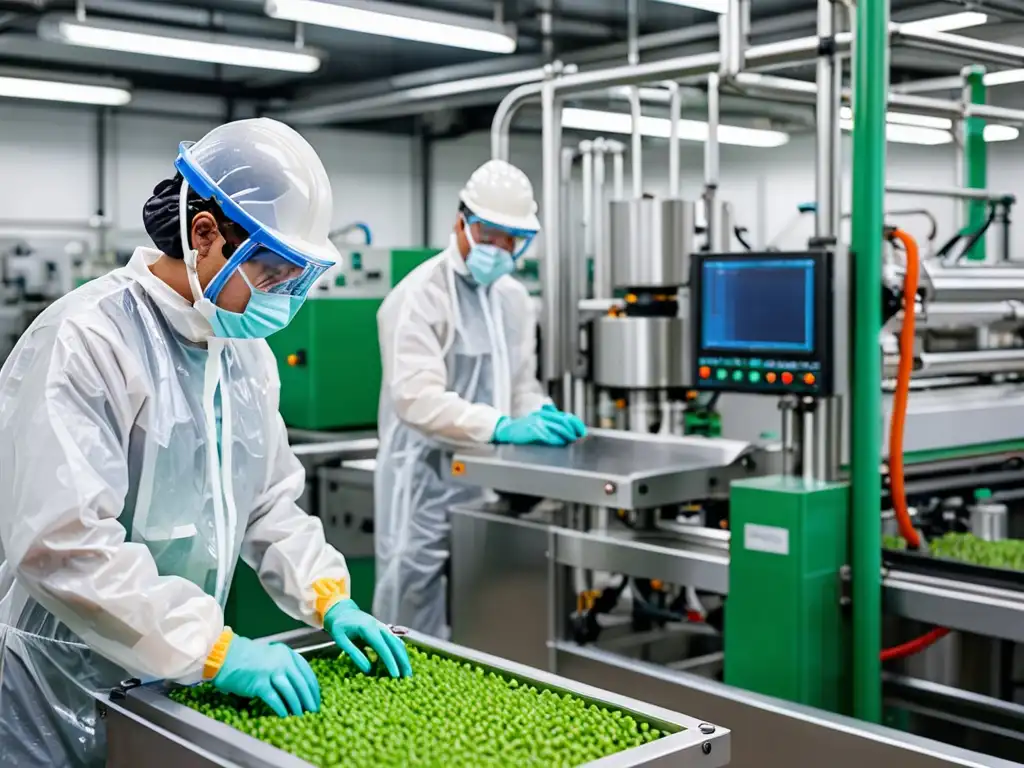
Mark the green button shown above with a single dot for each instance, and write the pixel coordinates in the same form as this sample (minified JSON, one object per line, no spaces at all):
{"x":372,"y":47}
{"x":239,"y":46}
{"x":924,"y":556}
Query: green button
{"x":720,"y":374}
{"x":755,"y":377}
{"x":737,"y":375}
{"x":339,"y":281}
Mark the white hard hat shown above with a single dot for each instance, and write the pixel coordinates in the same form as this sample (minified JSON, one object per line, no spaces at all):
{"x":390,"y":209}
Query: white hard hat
{"x":265,"y":176}
{"x":501,"y":194}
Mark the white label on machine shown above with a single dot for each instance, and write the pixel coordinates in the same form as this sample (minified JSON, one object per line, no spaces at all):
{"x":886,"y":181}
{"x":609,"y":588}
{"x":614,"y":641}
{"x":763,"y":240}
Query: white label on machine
{"x":766,"y":538}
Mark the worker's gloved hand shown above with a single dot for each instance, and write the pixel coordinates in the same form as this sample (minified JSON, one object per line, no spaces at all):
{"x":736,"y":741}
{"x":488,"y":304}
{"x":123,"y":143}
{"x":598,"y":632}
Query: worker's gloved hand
{"x":574,"y":422}
{"x":535,"y":429}
{"x":349,"y":625}
{"x":269,"y":671}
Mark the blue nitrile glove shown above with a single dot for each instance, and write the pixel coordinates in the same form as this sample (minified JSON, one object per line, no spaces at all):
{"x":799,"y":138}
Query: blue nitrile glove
{"x":349,"y":625}
{"x":534,"y":429}
{"x":574,"y":422}
{"x":272,"y":672}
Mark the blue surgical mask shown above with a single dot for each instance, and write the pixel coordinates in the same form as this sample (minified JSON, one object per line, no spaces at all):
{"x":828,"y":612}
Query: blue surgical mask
{"x":265,"y":314}
{"x":486,"y":262}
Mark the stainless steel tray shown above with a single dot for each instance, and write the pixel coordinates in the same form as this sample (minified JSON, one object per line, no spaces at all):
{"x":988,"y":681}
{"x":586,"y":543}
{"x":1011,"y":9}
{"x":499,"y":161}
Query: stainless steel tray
{"x":159,"y":724}
{"x":608,"y":468}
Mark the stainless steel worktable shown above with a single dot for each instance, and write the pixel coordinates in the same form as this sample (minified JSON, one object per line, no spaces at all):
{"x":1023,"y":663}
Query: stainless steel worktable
{"x":608,"y":468}
{"x":144,"y":726}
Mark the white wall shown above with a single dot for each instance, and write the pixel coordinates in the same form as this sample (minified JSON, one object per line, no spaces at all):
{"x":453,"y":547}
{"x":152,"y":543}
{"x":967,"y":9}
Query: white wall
{"x":49,"y":169}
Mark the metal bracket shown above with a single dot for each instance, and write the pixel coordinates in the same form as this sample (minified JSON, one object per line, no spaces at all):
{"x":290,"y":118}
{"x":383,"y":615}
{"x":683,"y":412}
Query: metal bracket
{"x":120,"y":693}
{"x":827,"y":46}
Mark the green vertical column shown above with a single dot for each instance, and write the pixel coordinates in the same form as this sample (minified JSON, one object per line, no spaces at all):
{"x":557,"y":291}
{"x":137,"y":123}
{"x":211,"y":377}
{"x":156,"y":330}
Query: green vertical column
{"x":975,"y":158}
{"x":871,"y":94}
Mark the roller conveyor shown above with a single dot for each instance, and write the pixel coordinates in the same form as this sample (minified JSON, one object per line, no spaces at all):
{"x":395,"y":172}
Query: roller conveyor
{"x":609,"y":469}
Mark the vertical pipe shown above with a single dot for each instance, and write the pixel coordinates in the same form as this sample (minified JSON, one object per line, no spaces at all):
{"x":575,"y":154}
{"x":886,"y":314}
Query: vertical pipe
{"x":572,"y":253}
{"x":635,"y":107}
{"x":975,"y":157}
{"x":618,"y":171}
{"x":587,"y":165}
{"x":828,"y":106}
{"x":871,"y":86}
{"x":733,"y":24}
{"x":712,"y":158}
{"x":602,"y":261}
{"x":552,"y":287}
{"x":675,"y":113}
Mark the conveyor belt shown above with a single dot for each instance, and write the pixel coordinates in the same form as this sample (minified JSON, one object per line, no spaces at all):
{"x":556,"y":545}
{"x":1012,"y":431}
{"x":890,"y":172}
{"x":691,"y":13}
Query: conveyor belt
{"x":608,"y":468}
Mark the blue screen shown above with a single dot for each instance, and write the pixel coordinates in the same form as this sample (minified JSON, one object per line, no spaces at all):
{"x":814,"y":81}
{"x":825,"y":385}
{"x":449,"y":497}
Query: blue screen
{"x":758,"y":305}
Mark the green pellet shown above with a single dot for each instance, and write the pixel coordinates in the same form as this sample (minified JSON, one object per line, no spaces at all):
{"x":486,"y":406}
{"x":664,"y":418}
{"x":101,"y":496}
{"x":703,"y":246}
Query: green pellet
{"x":449,"y":713}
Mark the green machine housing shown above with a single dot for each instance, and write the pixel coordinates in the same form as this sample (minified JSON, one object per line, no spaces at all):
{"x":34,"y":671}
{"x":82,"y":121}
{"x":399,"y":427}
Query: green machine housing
{"x":328,"y":357}
{"x":329,"y":362}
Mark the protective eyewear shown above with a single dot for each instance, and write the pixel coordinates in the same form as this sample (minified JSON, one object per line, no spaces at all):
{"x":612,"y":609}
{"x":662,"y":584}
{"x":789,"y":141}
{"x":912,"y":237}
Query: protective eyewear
{"x":488,"y":233}
{"x":268,"y":271}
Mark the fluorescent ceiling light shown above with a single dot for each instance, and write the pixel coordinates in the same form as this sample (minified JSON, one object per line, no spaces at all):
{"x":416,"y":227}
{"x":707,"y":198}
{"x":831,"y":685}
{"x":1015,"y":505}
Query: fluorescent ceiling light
{"x":660,"y":127}
{"x":947,"y":23}
{"x":714,"y":6}
{"x":1001,"y":133}
{"x":1006,"y":77}
{"x":404,"y":22}
{"x":176,"y":44}
{"x":58,"y":90}
{"x":933,"y":126}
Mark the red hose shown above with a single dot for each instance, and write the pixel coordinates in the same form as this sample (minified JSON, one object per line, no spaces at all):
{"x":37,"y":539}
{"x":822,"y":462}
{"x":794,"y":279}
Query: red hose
{"x":897,"y":490}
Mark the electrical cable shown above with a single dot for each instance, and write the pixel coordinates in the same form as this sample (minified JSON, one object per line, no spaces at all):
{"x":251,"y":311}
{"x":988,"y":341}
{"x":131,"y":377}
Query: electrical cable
{"x":897,"y":488}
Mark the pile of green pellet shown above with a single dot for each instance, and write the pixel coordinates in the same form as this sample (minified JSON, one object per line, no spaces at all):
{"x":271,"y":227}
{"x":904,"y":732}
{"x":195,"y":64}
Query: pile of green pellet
{"x":968,"y":548}
{"x":448,"y":714}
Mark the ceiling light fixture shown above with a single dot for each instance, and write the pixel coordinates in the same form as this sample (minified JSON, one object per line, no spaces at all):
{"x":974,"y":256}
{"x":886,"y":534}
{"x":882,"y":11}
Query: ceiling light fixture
{"x":399,"y":21}
{"x":660,"y":127}
{"x":713,"y":6}
{"x":947,"y":23}
{"x":177,"y":44}
{"x":14,"y":86}
{"x":934,"y":125}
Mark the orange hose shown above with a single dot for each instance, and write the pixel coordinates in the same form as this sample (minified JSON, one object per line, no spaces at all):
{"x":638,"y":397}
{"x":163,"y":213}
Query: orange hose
{"x":897,"y":489}
{"x":899,"y":401}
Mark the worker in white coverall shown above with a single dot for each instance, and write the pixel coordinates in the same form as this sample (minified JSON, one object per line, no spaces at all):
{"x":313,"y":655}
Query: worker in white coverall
{"x":141,"y":452}
{"x":458,"y":347}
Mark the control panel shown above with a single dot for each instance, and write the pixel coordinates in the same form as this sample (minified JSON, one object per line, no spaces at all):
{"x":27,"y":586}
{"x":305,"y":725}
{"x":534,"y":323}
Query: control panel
{"x":762,"y":323}
{"x":359,"y":274}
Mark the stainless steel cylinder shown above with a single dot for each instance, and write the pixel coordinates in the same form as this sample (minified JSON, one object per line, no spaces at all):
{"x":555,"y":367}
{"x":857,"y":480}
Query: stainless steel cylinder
{"x":973,"y":284}
{"x":652,"y":241}
{"x":641,"y":352}
{"x":989,"y":521}
{"x":936,"y":364}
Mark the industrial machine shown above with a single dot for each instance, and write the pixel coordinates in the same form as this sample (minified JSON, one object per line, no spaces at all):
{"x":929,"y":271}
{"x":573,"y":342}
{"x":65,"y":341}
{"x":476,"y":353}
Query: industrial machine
{"x":749,"y":576}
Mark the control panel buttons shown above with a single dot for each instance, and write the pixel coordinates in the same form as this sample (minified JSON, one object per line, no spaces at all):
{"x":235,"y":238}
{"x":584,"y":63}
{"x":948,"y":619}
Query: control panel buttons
{"x":737,"y":375}
{"x":809,"y":379}
{"x":721,"y":374}
{"x":771,"y":377}
{"x":754,"y":377}
{"x":787,"y":377}
{"x":705,"y":372}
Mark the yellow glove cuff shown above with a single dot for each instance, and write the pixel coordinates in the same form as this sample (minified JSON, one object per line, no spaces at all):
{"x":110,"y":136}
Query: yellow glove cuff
{"x":328,"y":592}
{"x":220,"y":651}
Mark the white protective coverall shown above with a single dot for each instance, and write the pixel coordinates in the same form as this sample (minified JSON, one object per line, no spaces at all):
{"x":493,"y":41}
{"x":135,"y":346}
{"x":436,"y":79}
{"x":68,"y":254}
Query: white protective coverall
{"x":120,"y":519}
{"x":457,"y":357}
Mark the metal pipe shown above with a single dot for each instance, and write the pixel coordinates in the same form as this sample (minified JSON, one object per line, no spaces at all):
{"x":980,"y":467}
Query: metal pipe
{"x":871,"y":85}
{"x":961,"y":193}
{"x":636,"y":150}
{"x":675,"y":115}
{"x":986,"y":361}
{"x":602,"y":257}
{"x":979,"y":51}
{"x":587,"y":167}
{"x":553,"y":328}
{"x":501,"y":124}
{"x":618,"y":169}
{"x":712,"y":160}
{"x":571,"y":251}
{"x":958,"y":285}
{"x":734,"y":39}
{"x":829,"y":90}
{"x":955,"y":315}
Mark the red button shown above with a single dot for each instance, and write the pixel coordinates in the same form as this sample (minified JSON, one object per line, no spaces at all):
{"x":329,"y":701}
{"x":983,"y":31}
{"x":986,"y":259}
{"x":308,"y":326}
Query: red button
{"x":770,"y":378}
{"x":809,"y":379}
{"x":787,"y":378}
{"x":705,"y":372}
